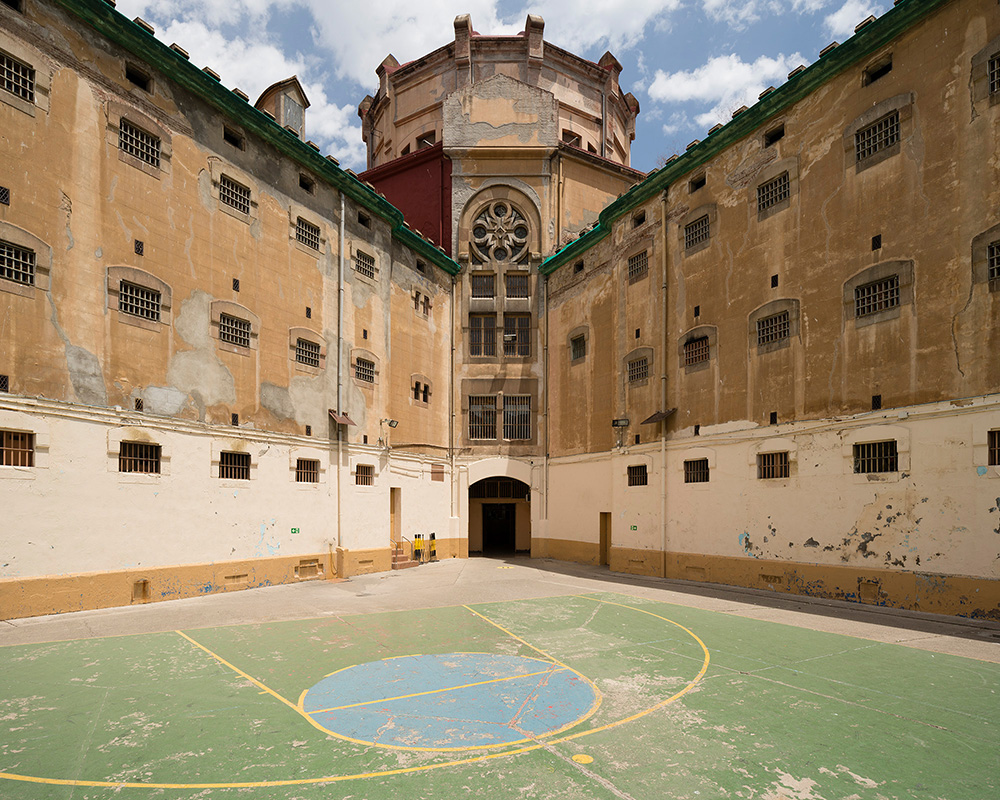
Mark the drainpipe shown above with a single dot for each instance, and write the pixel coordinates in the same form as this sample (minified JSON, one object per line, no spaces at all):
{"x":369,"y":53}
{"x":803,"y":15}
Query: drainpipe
{"x":451,"y":404}
{"x":545,"y":389}
{"x":604,"y":121}
{"x":340,"y":359}
{"x":663,"y":382}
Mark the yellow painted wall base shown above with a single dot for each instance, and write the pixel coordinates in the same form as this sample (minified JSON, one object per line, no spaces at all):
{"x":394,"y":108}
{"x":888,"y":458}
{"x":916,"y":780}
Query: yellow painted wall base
{"x":566,"y":550}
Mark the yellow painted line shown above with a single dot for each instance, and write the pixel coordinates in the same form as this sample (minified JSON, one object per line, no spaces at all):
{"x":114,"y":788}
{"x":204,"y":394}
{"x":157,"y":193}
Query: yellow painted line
{"x":522,"y":641}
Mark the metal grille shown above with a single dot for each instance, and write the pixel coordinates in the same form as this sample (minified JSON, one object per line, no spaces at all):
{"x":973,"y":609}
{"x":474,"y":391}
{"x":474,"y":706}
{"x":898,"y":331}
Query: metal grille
{"x":138,"y":143}
{"x":484,"y":285}
{"x":365,"y":264}
{"x":638,"y":369}
{"x":876,"y":457}
{"x":517,"y":417}
{"x":307,"y":352}
{"x":994,"y":70}
{"x":234,"y":466}
{"x":139,"y":457}
{"x":696,"y":471}
{"x":517,"y":284}
{"x":637,"y":475}
{"x":499,"y":489}
{"x":307,"y":233}
{"x":234,"y":194}
{"x":638,"y":265}
{"x":139,"y":301}
{"x":482,"y":335}
{"x":696,"y":232}
{"x":364,"y":370}
{"x":4,"y":195}
{"x":17,"y":78}
{"x":482,"y":417}
{"x":234,"y":330}
{"x":878,"y":136}
{"x":578,"y":347}
{"x":993,"y":262}
{"x":876,"y":296}
{"x":17,"y":263}
{"x":773,"y":192}
{"x":17,"y":449}
{"x":4,"y":383}
{"x":775,"y":328}
{"x":772,"y":465}
{"x":516,"y":334}
{"x":364,"y":475}
{"x":696,"y":351}
{"x":993,"y":442}
{"x":307,"y":470}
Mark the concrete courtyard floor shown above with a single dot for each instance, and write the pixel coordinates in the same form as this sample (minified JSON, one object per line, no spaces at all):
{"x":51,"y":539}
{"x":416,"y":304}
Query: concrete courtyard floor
{"x":500,"y":678}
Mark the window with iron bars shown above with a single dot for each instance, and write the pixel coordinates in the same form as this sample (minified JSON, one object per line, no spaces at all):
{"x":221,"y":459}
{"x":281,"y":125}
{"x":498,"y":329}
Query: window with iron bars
{"x":518,"y":284}
{"x":307,"y":352}
{"x":17,"y":263}
{"x":696,"y":351}
{"x":775,"y":328}
{"x":638,"y":266}
{"x":482,"y":416}
{"x":136,"y":142}
{"x":484,"y":285}
{"x":234,"y":194}
{"x":876,"y":137}
{"x":364,"y":264}
{"x":517,"y":417}
{"x":17,"y":78}
{"x":307,"y":233}
{"x":364,"y":370}
{"x":482,"y":335}
{"x":993,"y":448}
{"x":234,"y":466}
{"x":139,"y":457}
{"x":499,"y":489}
{"x":772,"y":465}
{"x":17,"y":449}
{"x":578,"y":347}
{"x":638,"y":369}
{"x":993,"y":264}
{"x":364,"y":475}
{"x":517,"y":335}
{"x":994,"y":73}
{"x":637,"y":475}
{"x":306,"y":470}
{"x":773,"y":192}
{"x":876,"y":296}
{"x":696,"y":471}
{"x":139,"y":301}
{"x":696,"y":232}
{"x":234,"y":330}
{"x":876,"y":457}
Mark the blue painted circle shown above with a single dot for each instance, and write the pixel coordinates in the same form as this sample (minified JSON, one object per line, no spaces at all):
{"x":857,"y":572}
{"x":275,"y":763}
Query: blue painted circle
{"x":454,"y":701}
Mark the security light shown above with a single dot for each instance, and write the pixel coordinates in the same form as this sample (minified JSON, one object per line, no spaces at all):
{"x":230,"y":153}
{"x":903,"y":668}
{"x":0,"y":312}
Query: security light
{"x":392,"y":423}
{"x":620,"y":423}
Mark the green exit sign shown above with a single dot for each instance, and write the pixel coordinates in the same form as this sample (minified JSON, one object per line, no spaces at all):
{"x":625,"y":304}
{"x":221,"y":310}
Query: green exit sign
{"x":295,"y":530}
{"x":635,"y":527}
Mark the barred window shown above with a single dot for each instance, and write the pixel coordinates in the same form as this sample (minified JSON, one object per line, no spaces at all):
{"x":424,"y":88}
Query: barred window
{"x":364,"y":264}
{"x":876,"y":457}
{"x":136,"y":142}
{"x":139,"y":301}
{"x":637,"y":475}
{"x":307,"y":233}
{"x":772,"y":465}
{"x":517,"y":334}
{"x":139,"y":457}
{"x":234,"y":466}
{"x":364,"y":370}
{"x":17,"y":263}
{"x":993,"y":447}
{"x":234,"y":194}
{"x":696,"y":471}
{"x":307,"y":352}
{"x":638,"y":369}
{"x":483,"y":417}
{"x":306,"y":470}
{"x":482,"y":335}
{"x":578,"y":347}
{"x":364,"y":475}
{"x":772,"y":192}
{"x":234,"y":330}
{"x":696,"y":351}
{"x":994,"y":73}
{"x":484,"y":285}
{"x":517,"y":284}
{"x":517,"y":417}
{"x":876,"y":137}
{"x":638,"y":265}
{"x":876,"y":296}
{"x":993,"y":263}
{"x":17,"y":78}
{"x":696,"y":232}
{"x":775,"y":328}
{"x":17,"y":449}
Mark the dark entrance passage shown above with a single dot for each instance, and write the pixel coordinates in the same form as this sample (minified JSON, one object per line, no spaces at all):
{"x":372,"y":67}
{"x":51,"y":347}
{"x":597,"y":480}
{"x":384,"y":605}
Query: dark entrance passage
{"x":499,"y":517}
{"x":499,"y":526}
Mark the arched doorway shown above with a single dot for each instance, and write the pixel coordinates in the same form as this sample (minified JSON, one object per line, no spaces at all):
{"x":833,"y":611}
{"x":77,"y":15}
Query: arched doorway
{"x":499,"y":517}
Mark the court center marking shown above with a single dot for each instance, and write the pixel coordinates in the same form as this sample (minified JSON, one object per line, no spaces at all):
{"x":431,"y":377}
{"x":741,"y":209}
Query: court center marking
{"x":389,"y":772}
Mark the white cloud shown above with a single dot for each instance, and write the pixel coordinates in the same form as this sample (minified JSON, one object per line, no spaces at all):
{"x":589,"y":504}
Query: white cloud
{"x":677,"y":121}
{"x":842,"y":21}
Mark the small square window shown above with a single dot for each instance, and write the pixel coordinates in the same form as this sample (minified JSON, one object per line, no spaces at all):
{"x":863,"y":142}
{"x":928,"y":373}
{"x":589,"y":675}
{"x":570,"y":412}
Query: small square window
{"x":421,"y":266}
{"x":874,"y":138}
{"x":518,"y":284}
{"x":236,"y":284}
{"x":234,"y":420}
{"x":877,"y":70}
{"x":139,"y":301}
{"x":638,"y":369}
{"x":17,"y":449}
{"x":639,"y":219}
{"x":309,"y":312}
{"x":871,"y":457}
{"x":234,"y":194}
{"x":572,"y":139}
{"x":697,"y":311}
{"x":696,"y":351}
{"x":364,"y":220}
{"x":774,"y":281}
{"x":876,"y":402}
{"x":364,"y":475}
{"x":773,"y":418}
{"x":307,"y":352}
{"x":774,"y":136}
{"x":234,"y":138}
{"x":234,"y":330}
{"x":696,"y":471}
{"x":696,"y":184}
{"x":637,"y":475}
{"x":307,"y":470}
{"x":484,"y":285}
{"x":17,"y":78}
{"x":638,"y":333}
{"x":138,"y":143}
{"x":140,"y":247}
{"x":309,"y":430}
{"x":364,"y":264}
{"x":772,"y":465}
{"x":578,"y":268}
{"x":139,"y":404}
{"x":638,"y":266}
{"x":234,"y":466}
{"x":139,"y":457}
{"x":773,"y":192}
{"x":775,"y":328}
{"x":4,"y":196}
{"x":137,"y":77}
{"x":15,"y":4}
{"x":993,"y":448}
{"x":364,"y":370}
{"x":17,"y":263}
{"x":307,"y":184}
{"x":876,"y":242}
{"x":307,"y":233}
{"x":881,"y":295}
{"x":578,"y":347}
{"x":426,"y":140}
{"x":696,"y":232}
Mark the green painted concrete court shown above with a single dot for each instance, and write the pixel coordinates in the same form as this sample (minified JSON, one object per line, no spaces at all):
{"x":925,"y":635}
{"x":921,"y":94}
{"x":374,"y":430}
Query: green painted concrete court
{"x":487,"y":678}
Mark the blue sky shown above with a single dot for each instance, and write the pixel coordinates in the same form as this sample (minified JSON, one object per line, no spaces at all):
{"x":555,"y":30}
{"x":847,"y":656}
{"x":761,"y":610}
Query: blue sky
{"x":690,"y":63}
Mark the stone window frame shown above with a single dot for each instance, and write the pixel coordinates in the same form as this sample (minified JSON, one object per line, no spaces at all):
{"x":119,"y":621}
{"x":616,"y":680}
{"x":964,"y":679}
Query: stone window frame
{"x":878,"y":272}
{"x":497,"y":329}
{"x":580,"y":331}
{"x":218,"y":168}
{"x":903,"y":104}
{"x":777,"y":444}
{"x":421,"y":301}
{"x":43,"y":77}
{"x":367,"y":355}
{"x":877,"y":433}
{"x":980,"y":77}
{"x":228,"y":307}
{"x":768,"y":173}
{"x":145,"y":280}
{"x":634,"y":354}
{"x":43,"y":261}
{"x":486,"y":387}
{"x":23,"y":423}
{"x":364,"y":461}
{"x":712,"y":212}
{"x":313,"y":454}
{"x":698,"y":332}
{"x":371,"y":252}
{"x":790,"y":304}
{"x":981,"y":428}
{"x":427,"y":391}
{"x":696,"y":454}
{"x":980,"y":257}
{"x":637,"y":460}
{"x":220,"y":446}
{"x":115,"y":112}
{"x":299,"y":332}
{"x":135,"y":433}
{"x":296,"y":212}
{"x":644,"y":247}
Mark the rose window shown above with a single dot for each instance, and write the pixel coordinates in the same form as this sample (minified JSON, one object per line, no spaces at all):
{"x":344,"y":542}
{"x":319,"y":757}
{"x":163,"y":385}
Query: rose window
{"x":500,"y":233}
